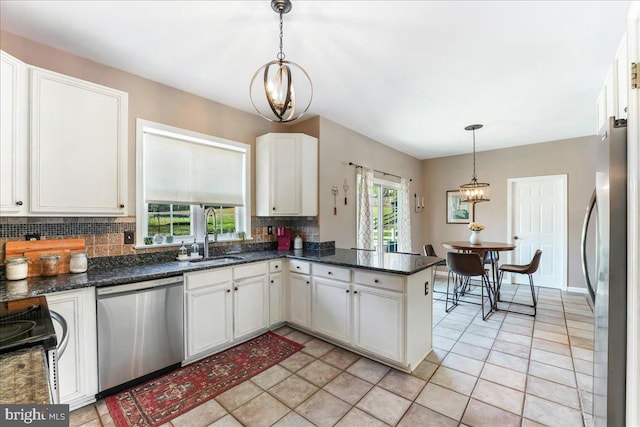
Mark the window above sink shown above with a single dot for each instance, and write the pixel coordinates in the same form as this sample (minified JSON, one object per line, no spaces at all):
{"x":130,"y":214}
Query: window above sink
{"x":179,"y":174}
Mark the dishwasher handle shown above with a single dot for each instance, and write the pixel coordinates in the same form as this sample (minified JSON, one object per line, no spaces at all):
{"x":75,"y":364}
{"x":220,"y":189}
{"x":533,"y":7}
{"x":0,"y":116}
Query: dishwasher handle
{"x":62,"y":346}
{"x":138,"y":286}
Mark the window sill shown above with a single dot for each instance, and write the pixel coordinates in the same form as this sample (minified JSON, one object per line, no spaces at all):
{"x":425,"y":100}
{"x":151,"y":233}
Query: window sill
{"x":188,"y":244}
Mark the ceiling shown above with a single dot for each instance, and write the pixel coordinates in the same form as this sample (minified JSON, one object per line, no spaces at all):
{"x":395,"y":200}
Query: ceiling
{"x":409,"y":74}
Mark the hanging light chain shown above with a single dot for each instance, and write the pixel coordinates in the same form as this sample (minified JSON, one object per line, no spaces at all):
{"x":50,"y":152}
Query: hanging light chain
{"x":474,"y":155}
{"x":281,"y":55}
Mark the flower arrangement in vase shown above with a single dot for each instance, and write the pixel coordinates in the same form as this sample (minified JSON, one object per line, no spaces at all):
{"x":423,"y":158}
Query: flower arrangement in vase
{"x":475,"y":228}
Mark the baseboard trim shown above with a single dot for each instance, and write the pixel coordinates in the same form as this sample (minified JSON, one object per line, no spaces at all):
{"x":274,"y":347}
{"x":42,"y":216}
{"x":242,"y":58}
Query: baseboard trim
{"x":576,"y":290}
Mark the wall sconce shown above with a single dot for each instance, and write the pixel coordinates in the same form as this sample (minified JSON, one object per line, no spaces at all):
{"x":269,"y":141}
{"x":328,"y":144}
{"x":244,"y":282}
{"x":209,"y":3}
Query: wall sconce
{"x":419,"y":203}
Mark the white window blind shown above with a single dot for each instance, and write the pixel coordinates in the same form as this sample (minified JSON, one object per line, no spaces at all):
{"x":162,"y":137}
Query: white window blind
{"x":181,"y":171}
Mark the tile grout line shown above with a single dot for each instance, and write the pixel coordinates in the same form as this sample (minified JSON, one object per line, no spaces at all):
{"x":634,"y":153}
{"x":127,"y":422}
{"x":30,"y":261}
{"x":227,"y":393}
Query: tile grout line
{"x":502,"y":322}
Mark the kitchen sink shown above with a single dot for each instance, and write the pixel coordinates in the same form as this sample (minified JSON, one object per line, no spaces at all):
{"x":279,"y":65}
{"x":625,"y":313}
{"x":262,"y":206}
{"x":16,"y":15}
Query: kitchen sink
{"x":219,"y":259}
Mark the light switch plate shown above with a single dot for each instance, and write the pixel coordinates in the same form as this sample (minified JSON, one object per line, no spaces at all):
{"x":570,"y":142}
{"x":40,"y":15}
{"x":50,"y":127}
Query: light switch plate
{"x":128,"y":237}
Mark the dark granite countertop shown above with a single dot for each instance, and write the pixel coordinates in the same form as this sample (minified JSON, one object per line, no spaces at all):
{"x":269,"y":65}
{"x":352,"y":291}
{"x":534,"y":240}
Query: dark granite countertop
{"x":385,"y":262}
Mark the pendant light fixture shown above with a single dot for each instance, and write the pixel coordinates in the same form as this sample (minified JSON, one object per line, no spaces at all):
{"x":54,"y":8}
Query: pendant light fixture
{"x":475,"y":191}
{"x":284,"y":91}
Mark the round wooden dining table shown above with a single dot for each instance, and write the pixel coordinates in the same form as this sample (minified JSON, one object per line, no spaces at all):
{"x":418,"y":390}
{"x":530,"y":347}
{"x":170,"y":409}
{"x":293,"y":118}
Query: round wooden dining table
{"x":481,"y":249}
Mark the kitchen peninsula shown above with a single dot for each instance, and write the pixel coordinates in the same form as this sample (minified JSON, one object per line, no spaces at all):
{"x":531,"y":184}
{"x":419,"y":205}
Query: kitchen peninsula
{"x":375,"y":304}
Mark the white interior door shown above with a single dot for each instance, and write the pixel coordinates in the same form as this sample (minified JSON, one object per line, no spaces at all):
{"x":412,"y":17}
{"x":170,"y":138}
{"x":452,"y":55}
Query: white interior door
{"x":537,"y":216}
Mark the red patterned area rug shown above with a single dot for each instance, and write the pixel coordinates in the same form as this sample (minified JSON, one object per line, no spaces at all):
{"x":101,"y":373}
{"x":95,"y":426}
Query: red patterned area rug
{"x":162,"y":399}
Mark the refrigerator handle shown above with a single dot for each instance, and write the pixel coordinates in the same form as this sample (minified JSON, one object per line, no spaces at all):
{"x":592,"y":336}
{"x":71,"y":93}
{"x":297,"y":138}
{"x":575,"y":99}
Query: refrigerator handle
{"x":583,"y":245}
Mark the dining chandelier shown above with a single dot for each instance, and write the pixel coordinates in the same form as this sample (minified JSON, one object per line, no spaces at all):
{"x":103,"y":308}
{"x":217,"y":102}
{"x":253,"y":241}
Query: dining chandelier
{"x":475,"y":191}
{"x":275,"y":96}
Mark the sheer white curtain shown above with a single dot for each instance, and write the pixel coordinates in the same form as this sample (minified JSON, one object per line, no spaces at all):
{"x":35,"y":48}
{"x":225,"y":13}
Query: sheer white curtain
{"x":364,"y":226}
{"x":404,"y":217}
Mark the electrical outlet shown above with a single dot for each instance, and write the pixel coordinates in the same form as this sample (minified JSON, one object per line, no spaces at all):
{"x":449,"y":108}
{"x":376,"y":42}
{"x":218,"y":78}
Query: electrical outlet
{"x":270,"y":229}
{"x":32,"y":236}
{"x":128,"y":237}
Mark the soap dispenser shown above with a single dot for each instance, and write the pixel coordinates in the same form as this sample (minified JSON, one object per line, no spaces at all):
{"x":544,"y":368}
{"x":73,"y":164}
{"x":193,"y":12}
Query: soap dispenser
{"x":182,"y":252}
{"x":195,"y":249}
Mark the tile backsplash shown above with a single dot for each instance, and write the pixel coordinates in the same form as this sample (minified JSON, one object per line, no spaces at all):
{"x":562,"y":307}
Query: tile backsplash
{"x":105,"y":236}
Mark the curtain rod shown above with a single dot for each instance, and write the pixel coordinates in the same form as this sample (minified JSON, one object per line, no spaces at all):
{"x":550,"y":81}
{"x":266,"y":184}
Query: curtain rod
{"x":376,"y":170}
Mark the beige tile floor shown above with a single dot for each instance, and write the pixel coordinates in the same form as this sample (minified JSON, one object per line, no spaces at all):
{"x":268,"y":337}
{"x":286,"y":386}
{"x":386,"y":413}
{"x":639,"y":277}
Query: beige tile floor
{"x":511,"y":370}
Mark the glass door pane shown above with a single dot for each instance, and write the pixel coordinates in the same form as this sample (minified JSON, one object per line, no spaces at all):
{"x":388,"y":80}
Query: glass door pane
{"x":390,"y":219}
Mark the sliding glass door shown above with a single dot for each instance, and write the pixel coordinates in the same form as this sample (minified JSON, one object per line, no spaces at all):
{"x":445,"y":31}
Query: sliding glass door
{"x":384,"y":212}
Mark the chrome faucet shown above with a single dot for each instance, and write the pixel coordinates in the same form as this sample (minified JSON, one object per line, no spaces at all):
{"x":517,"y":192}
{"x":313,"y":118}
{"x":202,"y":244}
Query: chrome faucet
{"x":206,"y":231}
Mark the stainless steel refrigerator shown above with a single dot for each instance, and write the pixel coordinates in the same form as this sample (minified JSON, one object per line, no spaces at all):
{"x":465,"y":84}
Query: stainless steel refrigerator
{"x":608,"y":285}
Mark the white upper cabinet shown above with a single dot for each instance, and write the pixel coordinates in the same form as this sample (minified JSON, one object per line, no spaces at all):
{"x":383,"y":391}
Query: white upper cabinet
{"x":78,"y":146}
{"x":613,"y":98}
{"x":286,"y":175}
{"x":13,"y":136}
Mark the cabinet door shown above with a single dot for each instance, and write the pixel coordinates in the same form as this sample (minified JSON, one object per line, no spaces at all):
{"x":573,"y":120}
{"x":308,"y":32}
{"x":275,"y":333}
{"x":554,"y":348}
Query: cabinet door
{"x":209,"y":320}
{"x":622,"y":80}
{"x":285,"y":181}
{"x":332,"y":308}
{"x":78,"y":365}
{"x":286,"y":175}
{"x":300,"y":300}
{"x":78,"y":146}
{"x":251,"y":299}
{"x":13,"y":136}
{"x":378,"y":322}
{"x":276,"y":312}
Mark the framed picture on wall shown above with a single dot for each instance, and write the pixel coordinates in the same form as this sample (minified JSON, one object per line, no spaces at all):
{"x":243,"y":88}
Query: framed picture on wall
{"x":458,"y":212}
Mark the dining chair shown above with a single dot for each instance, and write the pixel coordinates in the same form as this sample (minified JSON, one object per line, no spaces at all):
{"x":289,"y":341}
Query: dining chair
{"x":429,"y":251}
{"x":527,"y":269}
{"x":465,"y":266}
{"x":492,"y":258}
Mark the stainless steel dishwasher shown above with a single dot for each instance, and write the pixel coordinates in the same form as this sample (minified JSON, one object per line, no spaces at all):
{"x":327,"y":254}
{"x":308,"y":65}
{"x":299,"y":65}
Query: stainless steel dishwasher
{"x":139,"y":330}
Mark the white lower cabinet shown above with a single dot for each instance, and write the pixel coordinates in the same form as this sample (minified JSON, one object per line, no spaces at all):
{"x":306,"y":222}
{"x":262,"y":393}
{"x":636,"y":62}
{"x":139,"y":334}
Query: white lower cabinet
{"x":276,"y":306}
{"x":250,"y":311}
{"x":300,"y":300}
{"x":384,"y":316}
{"x":208,"y":311}
{"x":378,"y":322}
{"x":222,"y":305}
{"x":331,"y":302}
{"x":78,"y":365}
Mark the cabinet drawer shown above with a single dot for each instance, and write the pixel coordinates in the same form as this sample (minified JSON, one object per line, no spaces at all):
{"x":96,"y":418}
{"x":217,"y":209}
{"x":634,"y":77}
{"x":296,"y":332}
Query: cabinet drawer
{"x":302,"y":267}
{"x":384,"y":281}
{"x":332,"y":272}
{"x":201,"y":279}
{"x":250,"y":270}
{"x":275,"y":266}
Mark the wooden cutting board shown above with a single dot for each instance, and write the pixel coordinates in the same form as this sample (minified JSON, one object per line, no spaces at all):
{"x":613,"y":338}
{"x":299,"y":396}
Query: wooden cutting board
{"x":32,"y":249}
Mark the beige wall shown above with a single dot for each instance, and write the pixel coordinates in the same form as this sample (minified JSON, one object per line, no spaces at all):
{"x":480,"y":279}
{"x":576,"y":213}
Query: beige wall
{"x":574,"y":157}
{"x":338,"y":146}
{"x":148,"y":100}
{"x":153,"y":101}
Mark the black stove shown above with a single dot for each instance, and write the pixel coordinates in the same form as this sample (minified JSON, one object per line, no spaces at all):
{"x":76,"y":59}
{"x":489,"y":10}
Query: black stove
{"x":25,"y":323}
